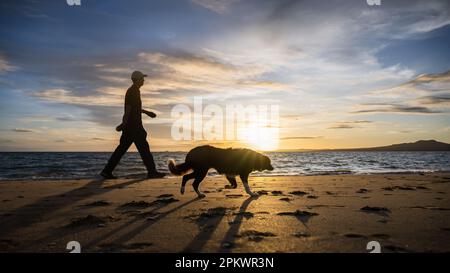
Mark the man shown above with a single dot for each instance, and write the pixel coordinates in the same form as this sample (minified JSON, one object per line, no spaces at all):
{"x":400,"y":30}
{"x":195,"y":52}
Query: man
{"x":133,"y":131}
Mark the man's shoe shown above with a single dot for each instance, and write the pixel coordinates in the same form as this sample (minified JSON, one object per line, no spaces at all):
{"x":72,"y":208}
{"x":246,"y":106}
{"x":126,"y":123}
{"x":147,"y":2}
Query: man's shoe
{"x":155,"y":175}
{"x":107,"y":175}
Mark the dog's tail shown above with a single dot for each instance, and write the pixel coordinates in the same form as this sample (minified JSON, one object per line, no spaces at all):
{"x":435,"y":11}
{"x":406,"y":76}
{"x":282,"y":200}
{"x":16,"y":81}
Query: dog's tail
{"x":179,"y":169}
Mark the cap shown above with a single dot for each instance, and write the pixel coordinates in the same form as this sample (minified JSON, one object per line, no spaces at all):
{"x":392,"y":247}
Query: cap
{"x":137,"y":75}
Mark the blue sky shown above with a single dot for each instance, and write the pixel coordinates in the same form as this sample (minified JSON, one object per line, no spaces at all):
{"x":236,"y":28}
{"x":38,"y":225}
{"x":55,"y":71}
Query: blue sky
{"x":344,"y":73}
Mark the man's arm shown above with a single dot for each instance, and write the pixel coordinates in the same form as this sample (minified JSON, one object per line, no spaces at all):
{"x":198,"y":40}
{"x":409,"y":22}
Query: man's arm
{"x":125,"y":118}
{"x":126,"y":115}
{"x":148,"y":113}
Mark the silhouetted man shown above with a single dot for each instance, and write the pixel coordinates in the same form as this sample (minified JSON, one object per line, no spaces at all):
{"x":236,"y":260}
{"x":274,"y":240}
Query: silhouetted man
{"x":133,"y":131}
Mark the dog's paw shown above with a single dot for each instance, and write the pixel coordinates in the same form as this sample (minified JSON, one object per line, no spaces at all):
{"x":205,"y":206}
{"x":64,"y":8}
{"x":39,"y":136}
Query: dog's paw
{"x":229,"y":187}
{"x":252,"y":194}
{"x":182,"y":190}
{"x":201,"y":195}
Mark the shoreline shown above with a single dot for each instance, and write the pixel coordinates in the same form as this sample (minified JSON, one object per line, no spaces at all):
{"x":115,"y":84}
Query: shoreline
{"x":327,"y":213}
{"x":143,"y":176}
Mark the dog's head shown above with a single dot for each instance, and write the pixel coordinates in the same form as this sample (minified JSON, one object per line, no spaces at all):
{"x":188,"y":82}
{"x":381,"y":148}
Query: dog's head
{"x":262,"y":163}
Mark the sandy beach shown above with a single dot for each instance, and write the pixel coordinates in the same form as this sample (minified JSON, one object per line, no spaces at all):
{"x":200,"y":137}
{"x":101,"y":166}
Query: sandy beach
{"x":336,"y":213}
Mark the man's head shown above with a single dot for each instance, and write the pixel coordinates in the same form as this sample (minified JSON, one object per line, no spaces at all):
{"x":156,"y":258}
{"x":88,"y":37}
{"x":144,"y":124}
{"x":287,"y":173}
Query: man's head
{"x":138,"y":78}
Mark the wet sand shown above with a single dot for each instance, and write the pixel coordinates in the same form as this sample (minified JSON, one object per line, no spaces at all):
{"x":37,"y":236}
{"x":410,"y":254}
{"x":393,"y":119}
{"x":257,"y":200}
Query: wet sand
{"x":336,"y":213}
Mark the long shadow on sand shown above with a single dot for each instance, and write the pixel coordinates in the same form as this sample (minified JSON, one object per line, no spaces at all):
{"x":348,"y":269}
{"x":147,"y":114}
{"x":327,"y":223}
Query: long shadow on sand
{"x":208,"y":223}
{"x":34,"y":212}
{"x":228,"y":241}
{"x":122,"y":240}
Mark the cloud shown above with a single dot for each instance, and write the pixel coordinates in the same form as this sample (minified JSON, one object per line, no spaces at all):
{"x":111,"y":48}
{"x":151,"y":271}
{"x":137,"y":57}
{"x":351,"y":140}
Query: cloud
{"x":428,"y":78}
{"x":424,"y":94}
{"x":69,"y":97}
{"x":207,"y":72}
{"x":66,"y":117}
{"x":173,"y":79}
{"x":217,"y":6}
{"x":342,"y":126}
{"x":435,"y":99}
{"x":47,"y":118}
{"x":385,"y":108}
{"x":349,"y":124}
{"x":5,"y":66}
{"x":23,"y":130}
{"x":307,"y":56}
{"x":357,"y":121}
{"x":99,"y":139}
{"x":300,"y":137}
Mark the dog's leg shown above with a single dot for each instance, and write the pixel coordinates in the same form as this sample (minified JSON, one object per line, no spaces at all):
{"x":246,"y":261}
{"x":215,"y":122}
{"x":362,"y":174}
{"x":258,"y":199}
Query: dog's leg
{"x":186,"y":178}
{"x":199,"y":176}
{"x":232,"y":180}
{"x":244,"y":178}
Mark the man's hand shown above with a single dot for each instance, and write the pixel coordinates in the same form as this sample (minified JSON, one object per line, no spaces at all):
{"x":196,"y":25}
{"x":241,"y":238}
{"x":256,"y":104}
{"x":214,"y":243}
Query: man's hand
{"x":150,"y":114}
{"x":120,"y":127}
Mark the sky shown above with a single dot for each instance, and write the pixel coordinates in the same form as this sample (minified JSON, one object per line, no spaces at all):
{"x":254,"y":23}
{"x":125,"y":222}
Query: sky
{"x":343,"y":73}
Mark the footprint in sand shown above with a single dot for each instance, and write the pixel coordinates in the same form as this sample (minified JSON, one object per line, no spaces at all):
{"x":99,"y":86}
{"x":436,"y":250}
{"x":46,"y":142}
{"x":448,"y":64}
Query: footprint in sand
{"x":135,"y":205}
{"x":302,"y":216}
{"x":429,"y":208}
{"x":8,"y":243}
{"x":99,"y":203}
{"x":143,"y":204}
{"x":362,"y":191}
{"x":356,"y":236}
{"x":118,"y":247}
{"x":377,"y":210}
{"x":89,"y":221}
{"x":166,"y":195}
{"x":207,"y":215}
{"x":227,"y":245}
{"x":245,"y":214}
{"x":381,"y":236}
{"x":233,"y":195}
{"x":405,"y":188}
{"x":301,"y":235}
{"x":299,"y":193}
{"x":255,"y":236}
{"x":394,"y":248}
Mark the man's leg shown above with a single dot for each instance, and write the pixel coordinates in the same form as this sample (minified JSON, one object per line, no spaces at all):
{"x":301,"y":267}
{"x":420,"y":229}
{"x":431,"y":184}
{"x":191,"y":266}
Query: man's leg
{"x":125,"y":142}
{"x":144,"y":150}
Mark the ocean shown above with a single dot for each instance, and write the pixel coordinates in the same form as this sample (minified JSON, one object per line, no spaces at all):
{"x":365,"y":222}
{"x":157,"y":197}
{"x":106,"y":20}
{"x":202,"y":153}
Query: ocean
{"x":78,"y":165}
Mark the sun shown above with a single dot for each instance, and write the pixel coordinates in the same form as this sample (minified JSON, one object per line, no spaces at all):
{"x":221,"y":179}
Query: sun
{"x":262,"y":138}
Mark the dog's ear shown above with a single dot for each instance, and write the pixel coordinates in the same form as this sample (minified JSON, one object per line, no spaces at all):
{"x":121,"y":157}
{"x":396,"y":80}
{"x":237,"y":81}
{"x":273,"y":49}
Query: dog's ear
{"x":267,"y":164}
{"x":258,"y":162}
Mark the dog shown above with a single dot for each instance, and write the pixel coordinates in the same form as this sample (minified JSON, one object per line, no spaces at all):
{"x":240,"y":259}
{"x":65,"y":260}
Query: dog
{"x":231,"y":162}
